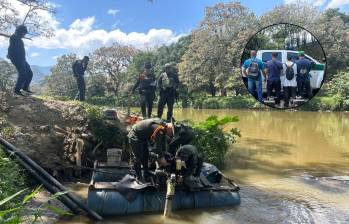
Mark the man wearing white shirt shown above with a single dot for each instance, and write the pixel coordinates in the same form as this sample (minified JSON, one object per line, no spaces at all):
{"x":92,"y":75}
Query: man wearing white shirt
{"x":290,"y":82}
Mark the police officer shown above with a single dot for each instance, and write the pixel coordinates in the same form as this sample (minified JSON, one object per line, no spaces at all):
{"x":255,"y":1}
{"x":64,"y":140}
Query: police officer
{"x":79,"y":68}
{"x":183,"y":135}
{"x":148,"y":132}
{"x":191,"y":162}
{"x":16,"y":53}
{"x":304,"y":66}
{"x":146,"y":84}
{"x":168,"y":83}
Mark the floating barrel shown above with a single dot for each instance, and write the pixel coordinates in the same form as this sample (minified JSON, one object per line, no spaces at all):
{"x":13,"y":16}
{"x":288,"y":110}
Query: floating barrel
{"x":105,"y":199}
{"x":109,"y":202}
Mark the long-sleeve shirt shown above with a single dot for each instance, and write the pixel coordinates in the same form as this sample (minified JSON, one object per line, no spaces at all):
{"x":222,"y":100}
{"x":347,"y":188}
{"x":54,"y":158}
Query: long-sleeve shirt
{"x":79,"y":68}
{"x":145,"y":83}
{"x":16,"y":51}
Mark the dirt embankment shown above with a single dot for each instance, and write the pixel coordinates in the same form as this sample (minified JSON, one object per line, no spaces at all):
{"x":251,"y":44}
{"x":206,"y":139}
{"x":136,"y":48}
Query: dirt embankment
{"x":51,"y":132}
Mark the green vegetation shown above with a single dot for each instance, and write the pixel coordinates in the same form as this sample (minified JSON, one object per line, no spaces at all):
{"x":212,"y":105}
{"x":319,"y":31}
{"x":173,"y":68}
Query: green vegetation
{"x":107,"y":132}
{"x":14,"y":209}
{"x":208,"y":60}
{"x":12,"y":178}
{"x":211,"y":139}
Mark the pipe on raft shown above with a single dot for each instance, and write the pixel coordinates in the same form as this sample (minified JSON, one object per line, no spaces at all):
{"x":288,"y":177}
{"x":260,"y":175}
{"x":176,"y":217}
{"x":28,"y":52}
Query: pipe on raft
{"x":39,"y":173}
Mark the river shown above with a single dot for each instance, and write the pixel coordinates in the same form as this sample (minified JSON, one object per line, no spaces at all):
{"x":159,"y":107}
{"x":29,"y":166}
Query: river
{"x":293,"y":167}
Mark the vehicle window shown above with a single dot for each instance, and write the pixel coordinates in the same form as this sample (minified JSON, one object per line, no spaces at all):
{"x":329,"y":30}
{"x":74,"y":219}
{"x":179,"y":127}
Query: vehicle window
{"x":266,"y":56}
{"x":293,"y":55}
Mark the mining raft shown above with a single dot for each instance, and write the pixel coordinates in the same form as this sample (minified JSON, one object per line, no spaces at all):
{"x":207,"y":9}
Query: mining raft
{"x":114,"y":191}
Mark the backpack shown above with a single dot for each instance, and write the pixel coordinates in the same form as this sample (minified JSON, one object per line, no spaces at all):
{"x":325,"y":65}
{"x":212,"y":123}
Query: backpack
{"x":289,"y":72}
{"x":253,"y":70}
{"x":74,"y":67}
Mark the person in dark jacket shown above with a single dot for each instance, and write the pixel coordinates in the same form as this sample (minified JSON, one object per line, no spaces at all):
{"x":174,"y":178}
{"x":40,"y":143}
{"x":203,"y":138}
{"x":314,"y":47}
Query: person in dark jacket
{"x":79,"y":68}
{"x":146,"y":84}
{"x":16,"y":53}
{"x":145,"y":133}
{"x":168,"y":83}
{"x":304,"y":66}
{"x":274,"y":68}
{"x":183,"y":135}
{"x":191,"y":164}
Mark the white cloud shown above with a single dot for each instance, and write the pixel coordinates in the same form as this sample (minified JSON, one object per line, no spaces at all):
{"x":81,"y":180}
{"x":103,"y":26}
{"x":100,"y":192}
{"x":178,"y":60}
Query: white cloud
{"x":113,"y":12}
{"x":34,"y":54}
{"x":313,"y":2}
{"x":329,"y":3}
{"x":337,"y":3}
{"x":82,"y":38}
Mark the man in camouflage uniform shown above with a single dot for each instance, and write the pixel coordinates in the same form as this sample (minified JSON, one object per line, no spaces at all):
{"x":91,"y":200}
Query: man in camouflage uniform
{"x":168,"y":83}
{"x":146,"y":84}
{"x":145,"y":133}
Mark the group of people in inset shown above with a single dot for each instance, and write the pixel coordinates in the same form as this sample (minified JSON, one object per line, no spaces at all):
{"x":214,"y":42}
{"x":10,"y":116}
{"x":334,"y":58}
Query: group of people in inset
{"x":295,"y":74}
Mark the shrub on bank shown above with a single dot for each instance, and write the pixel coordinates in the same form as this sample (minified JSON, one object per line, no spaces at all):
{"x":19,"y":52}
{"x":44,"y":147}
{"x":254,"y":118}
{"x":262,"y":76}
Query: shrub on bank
{"x":212,"y":141}
{"x":331,"y":103}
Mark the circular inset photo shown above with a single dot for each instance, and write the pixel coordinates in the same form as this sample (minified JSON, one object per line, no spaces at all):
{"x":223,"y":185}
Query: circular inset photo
{"x":283,"y":65}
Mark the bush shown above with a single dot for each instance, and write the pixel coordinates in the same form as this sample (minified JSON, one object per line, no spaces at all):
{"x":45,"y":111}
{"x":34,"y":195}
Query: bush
{"x":110,"y":133}
{"x":12,"y":178}
{"x":212,"y":141}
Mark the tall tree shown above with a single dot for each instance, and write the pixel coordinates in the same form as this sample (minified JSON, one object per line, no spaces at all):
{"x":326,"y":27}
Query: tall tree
{"x":61,"y":82}
{"x":11,"y":15}
{"x":210,"y":53}
{"x":113,"y":62}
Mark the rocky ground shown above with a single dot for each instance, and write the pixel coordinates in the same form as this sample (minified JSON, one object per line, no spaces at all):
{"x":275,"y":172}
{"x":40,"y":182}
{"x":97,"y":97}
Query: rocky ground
{"x":49,"y":131}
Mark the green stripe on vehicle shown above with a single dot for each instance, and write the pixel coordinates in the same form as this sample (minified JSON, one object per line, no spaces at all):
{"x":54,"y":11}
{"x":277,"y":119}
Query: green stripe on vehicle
{"x":318,"y":67}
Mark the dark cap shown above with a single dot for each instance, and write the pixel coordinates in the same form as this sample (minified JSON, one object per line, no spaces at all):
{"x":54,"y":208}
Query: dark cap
{"x":86,"y":58}
{"x":147,"y":65}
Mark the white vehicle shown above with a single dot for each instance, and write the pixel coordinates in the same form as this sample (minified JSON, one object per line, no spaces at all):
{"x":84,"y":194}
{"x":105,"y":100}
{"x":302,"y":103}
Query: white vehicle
{"x":317,"y":72}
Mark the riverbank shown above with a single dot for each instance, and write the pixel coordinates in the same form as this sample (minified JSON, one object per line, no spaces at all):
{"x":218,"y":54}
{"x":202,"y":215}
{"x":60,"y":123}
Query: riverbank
{"x":318,"y":103}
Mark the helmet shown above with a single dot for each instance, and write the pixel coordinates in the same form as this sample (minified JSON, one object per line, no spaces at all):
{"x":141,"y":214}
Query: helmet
{"x":21,"y":29}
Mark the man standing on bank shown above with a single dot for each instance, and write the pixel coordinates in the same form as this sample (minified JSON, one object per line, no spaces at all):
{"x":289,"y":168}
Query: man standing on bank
{"x":79,"y":68}
{"x":146,"y":84}
{"x":168,"y":83}
{"x":16,"y":53}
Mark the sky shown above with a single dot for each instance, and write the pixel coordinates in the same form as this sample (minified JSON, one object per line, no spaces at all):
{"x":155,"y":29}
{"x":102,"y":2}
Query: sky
{"x":82,"y":26}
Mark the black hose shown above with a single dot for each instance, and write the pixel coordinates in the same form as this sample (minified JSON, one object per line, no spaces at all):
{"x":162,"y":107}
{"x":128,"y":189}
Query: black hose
{"x":52,"y":189}
{"x":49,"y":178}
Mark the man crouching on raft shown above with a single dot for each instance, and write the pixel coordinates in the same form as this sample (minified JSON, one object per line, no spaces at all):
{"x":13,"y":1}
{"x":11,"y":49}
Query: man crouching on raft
{"x":143,"y":134}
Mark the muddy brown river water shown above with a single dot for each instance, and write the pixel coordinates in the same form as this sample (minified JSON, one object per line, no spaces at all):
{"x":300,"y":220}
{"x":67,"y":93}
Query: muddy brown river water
{"x":293,"y":167}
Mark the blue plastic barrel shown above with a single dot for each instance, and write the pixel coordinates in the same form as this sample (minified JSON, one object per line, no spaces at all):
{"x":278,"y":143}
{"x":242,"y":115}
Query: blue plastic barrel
{"x":108,"y":202}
